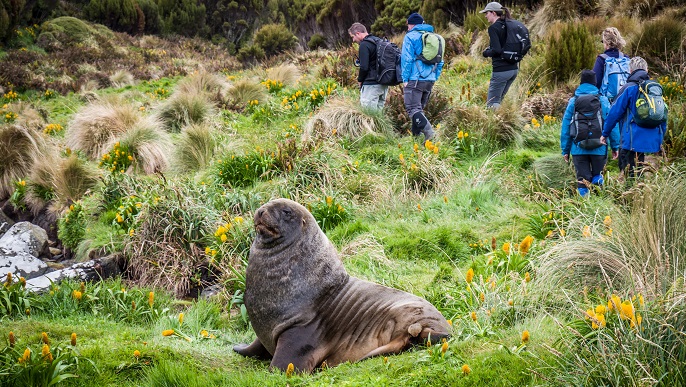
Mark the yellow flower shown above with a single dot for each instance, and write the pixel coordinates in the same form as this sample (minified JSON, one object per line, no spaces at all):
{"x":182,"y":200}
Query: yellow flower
{"x":445,"y":199}
{"x":614,"y":302}
{"x":460,"y":135}
{"x":223,"y":238}
{"x":238,"y":219}
{"x":482,"y":297}
{"x":473,"y":315}
{"x":608,"y":232}
{"x":26,"y":357}
{"x":136,"y":354}
{"x":525,"y":336}
{"x":466,"y":370}
{"x":450,"y":322}
{"x":12,"y":339}
{"x":289,"y":370}
{"x":607,"y":221}
{"x":586,"y":232}
{"x":510,"y":302}
{"x":204,"y":333}
{"x":526,"y":244}
{"x":167,"y":332}
{"x":470,"y":275}
{"x":73,"y":339}
{"x":562,"y":232}
{"x":46,"y":353}
{"x":151,"y":298}
{"x":44,"y":338}
{"x":180,"y":318}
{"x":600,"y":309}
{"x":506,"y":247}
{"x":626,"y":310}
{"x":444,"y":347}
{"x":527,"y":277}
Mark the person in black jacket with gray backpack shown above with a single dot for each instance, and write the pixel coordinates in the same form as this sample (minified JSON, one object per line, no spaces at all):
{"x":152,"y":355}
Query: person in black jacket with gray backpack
{"x":372,"y":94}
{"x":508,"y":43}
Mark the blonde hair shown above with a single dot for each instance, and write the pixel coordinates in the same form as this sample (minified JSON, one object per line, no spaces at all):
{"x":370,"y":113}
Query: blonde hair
{"x":613,"y":38}
{"x":636,"y":63}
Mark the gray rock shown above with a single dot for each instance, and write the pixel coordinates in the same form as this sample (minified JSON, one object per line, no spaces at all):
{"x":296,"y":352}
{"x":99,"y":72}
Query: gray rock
{"x":5,"y":223}
{"x":211,"y":291}
{"x":24,"y":237}
{"x":94,"y":270}
{"x":54,"y":251}
{"x":20,"y":247}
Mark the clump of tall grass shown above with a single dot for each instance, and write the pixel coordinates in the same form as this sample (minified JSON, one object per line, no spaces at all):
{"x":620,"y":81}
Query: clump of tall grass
{"x":185,"y":109}
{"x":28,"y":115}
{"x":660,"y":40}
{"x":553,"y":172}
{"x":95,"y":128}
{"x":165,"y":250}
{"x":148,"y":144}
{"x":40,"y":185}
{"x":122,"y":78}
{"x":203,"y":82}
{"x":241,"y":92}
{"x":74,"y":178}
{"x":341,"y":117}
{"x":501,"y":127}
{"x":196,"y":147}
{"x":287,"y":73}
{"x":19,"y":147}
{"x":643,"y":252}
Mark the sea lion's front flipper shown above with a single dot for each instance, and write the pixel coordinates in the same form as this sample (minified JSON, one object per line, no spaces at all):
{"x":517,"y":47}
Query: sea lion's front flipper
{"x":256,"y":349}
{"x":395,"y":346}
{"x":297,"y":345}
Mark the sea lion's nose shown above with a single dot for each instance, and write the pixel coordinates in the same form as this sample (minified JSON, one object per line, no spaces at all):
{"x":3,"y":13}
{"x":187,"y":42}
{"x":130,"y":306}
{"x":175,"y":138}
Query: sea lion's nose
{"x":259,"y":213}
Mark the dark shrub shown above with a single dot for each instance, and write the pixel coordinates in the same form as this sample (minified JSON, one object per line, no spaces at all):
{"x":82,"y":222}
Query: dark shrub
{"x":569,"y":53}
{"x":274,"y":39}
{"x":316,"y":41}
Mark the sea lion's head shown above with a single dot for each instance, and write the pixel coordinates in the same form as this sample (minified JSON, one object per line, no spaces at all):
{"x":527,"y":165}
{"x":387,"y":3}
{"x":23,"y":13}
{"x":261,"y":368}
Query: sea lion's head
{"x":280,"y":222}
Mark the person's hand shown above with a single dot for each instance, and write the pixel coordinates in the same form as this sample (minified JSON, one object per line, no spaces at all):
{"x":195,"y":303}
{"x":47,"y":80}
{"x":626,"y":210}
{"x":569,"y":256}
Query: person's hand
{"x":566,"y":157}
{"x":404,"y":84}
{"x":615,"y":155}
{"x":603,"y":140}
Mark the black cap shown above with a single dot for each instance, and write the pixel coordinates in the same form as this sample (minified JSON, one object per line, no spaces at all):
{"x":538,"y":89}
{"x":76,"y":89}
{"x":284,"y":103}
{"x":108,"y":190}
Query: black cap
{"x":588,"y":76}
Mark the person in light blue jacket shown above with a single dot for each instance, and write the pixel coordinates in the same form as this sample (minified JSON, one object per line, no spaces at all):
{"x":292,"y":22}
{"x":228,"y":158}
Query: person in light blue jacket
{"x":636,"y":141}
{"x":418,"y":77}
{"x":589,"y":163}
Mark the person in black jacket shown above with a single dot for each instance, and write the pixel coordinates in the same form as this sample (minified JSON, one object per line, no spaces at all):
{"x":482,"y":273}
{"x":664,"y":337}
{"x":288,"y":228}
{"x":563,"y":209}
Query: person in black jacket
{"x":504,"y":73}
{"x":372,"y":94}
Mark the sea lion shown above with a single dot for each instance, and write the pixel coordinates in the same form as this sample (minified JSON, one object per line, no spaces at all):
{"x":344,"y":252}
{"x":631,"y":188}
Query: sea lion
{"x":306,"y":309}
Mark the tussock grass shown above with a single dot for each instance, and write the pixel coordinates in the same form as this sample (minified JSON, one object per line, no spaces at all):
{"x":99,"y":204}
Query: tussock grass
{"x":148,"y":144}
{"x":28,"y":115}
{"x":287,"y":73}
{"x":196,"y":147}
{"x":96,"y":127}
{"x":343,"y":117}
{"x":19,"y":148}
{"x":74,"y":178}
{"x":166,"y":249}
{"x":40,"y":185}
{"x":185,"y":109}
{"x":428,"y":173}
{"x":122,"y":78}
{"x":645,"y":252}
{"x":241,"y":92}
{"x":554,"y":172}
{"x":203,"y":82}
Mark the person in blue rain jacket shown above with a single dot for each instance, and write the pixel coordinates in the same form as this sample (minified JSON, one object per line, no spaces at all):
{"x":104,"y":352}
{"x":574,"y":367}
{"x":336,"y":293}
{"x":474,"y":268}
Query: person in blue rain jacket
{"x":589,"y":163}
{"x":635,"y":141}
{"x":418,"y":77}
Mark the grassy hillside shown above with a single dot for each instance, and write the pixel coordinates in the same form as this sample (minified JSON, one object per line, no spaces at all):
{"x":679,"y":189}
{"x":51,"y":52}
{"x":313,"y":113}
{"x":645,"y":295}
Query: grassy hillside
{"x":165,"y":155}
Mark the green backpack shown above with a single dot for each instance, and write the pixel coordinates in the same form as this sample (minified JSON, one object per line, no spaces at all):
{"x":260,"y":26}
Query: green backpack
{"x":433,"y":47}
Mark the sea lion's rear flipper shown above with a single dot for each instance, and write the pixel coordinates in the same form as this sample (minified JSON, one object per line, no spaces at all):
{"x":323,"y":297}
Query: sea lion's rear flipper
{"x":395,"y":346}
{"x":297,"y":345}
{"x":256,"y":349}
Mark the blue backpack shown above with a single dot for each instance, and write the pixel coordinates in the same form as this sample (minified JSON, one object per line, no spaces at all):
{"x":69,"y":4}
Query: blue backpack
{"x":615,"y":75}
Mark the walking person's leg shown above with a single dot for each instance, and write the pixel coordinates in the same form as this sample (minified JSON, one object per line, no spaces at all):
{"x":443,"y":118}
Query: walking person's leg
{"x":597,"y":165}
{"x":500,"y":83}
{"x":413,"y":95}
{"x":582,"y":165}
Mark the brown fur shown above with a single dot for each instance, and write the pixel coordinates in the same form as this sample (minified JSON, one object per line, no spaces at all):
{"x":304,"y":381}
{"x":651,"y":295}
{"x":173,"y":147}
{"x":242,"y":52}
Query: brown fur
{"x":306,"y":309}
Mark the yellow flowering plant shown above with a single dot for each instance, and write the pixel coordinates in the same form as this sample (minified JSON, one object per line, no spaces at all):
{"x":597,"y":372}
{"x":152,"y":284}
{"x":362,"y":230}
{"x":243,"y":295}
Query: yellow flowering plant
{"x":117,"y":160}
{"x":329,"y":213}
{"x":17,"y":197}
{"x":244,"y":170}
{"x":41,"y":364}
{"x":14,"y":297}
{"x":72,"y":225}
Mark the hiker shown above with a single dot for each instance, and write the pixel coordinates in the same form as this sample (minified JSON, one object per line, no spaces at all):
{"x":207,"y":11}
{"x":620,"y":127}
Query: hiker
{"x":582,"y":126}
{"x":504,"y":70}
{"x":642,"y":116}
{"x":611,"y":74}
{"x":418,"y":76}
{"x":372,"y":94}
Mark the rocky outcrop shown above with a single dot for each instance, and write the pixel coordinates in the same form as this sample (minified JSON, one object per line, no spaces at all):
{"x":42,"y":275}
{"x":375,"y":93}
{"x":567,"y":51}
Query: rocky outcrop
{"x":20,"y":248}
{"x":94,"y":270}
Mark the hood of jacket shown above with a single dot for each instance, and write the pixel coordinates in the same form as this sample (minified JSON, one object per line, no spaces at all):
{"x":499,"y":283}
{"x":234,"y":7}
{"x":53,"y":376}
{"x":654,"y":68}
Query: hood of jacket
{"x":586,"y":88}
{"x":638,"y":75}
{"x":422,"y":27}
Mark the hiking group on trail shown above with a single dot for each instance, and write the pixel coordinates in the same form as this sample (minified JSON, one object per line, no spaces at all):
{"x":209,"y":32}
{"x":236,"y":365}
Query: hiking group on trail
{"x":616,"y":104}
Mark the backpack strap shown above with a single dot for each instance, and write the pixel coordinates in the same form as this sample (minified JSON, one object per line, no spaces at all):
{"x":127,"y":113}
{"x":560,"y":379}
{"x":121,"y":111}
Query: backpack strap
{"x":604,"y":56}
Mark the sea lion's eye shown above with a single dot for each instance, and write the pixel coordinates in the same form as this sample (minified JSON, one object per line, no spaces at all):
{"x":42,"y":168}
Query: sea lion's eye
{"x":287,"y":212}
